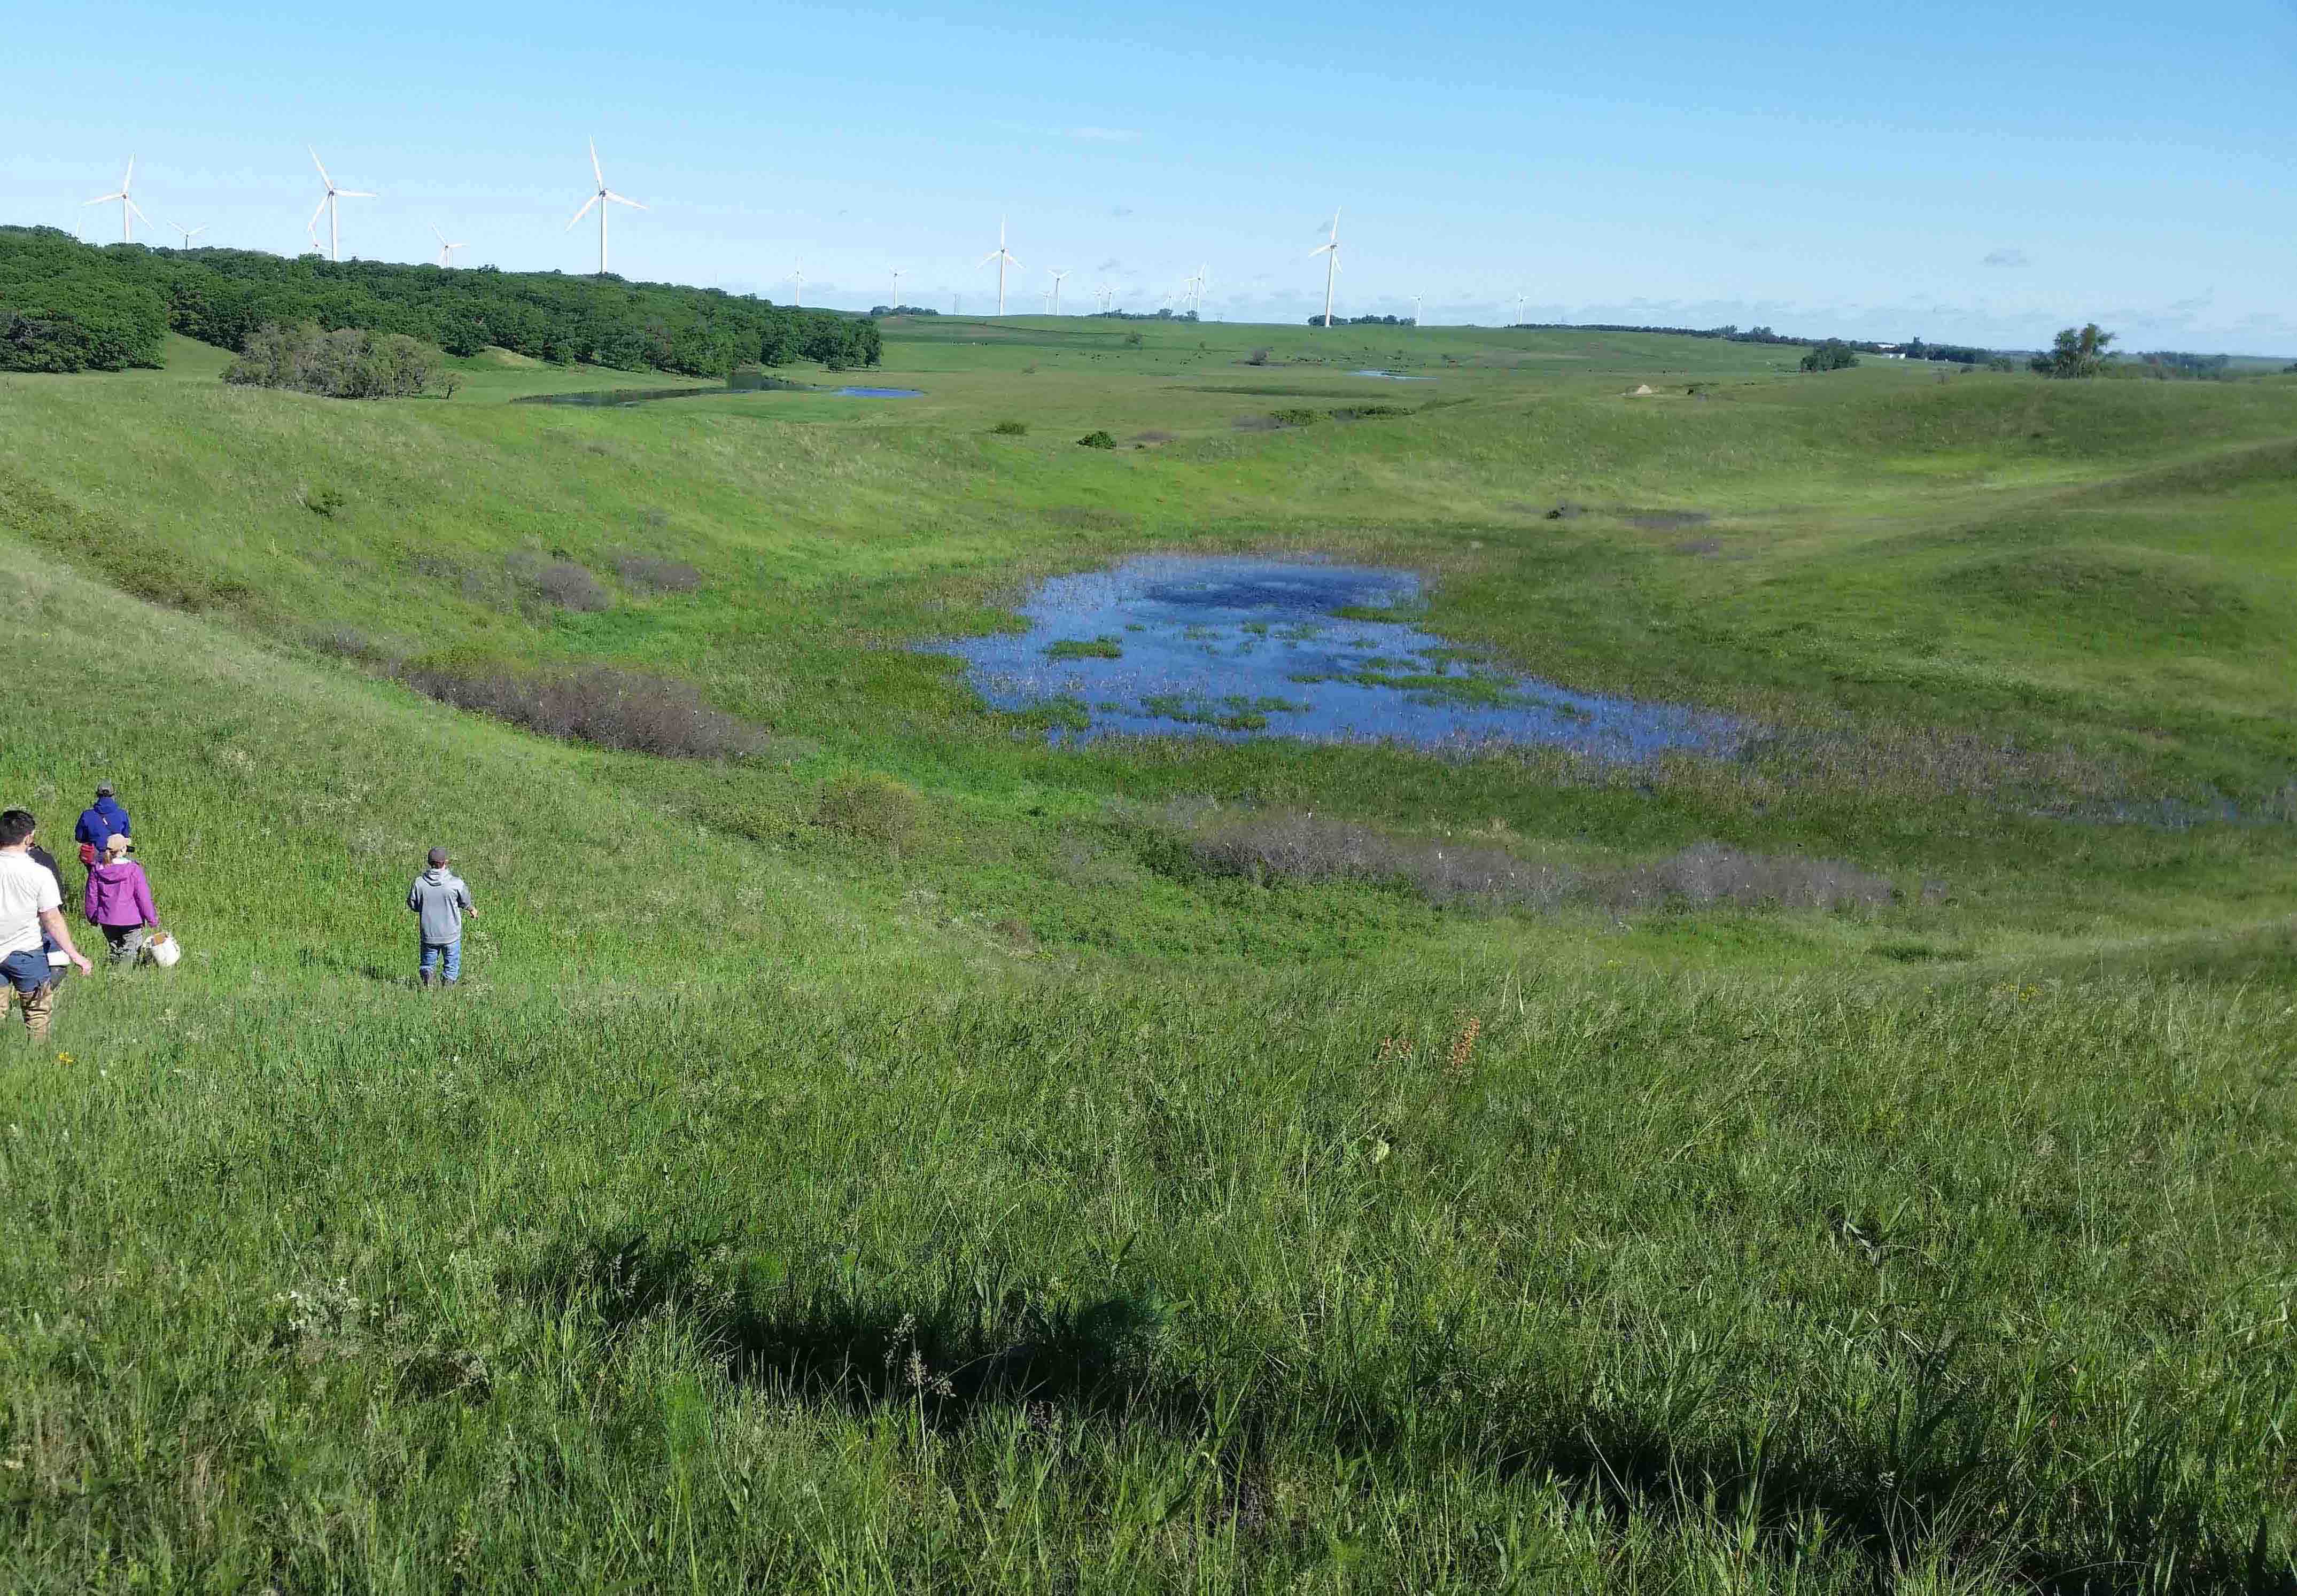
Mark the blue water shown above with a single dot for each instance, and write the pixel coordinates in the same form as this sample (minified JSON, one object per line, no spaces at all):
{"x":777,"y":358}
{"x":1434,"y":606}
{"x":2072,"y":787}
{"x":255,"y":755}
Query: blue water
{"x":1234,"y":647}
{"x":1392,"y":376}
{"x":881,"y":392}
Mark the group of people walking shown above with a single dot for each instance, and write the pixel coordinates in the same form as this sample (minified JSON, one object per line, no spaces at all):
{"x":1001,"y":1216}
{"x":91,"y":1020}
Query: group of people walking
{"x":36,"y":950}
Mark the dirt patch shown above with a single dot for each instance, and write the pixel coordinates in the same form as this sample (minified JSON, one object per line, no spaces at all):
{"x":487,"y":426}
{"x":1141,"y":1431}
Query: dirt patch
{"x":1256,"y":424}
{"x":1668,"y":520}
{"x":1154,"y":435}
{"x":1701,"y":545}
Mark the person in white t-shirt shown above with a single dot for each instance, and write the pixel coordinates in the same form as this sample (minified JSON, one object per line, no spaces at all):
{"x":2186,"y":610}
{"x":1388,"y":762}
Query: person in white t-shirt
{"x":31,"y":911}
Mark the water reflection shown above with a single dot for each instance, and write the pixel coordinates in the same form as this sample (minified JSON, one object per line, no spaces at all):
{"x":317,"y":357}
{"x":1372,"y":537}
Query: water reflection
{"x":1235,"y":647}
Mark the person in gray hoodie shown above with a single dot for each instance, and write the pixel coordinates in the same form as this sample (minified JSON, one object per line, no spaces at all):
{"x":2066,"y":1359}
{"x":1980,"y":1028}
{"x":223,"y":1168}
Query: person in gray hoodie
{"x":442,"y":901}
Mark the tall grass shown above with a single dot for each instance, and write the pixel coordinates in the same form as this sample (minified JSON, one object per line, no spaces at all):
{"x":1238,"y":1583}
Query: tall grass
{"x":914,"y":1158}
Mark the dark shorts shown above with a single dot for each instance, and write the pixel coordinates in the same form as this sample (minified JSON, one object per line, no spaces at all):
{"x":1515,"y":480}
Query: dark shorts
{"x":27,"y":972}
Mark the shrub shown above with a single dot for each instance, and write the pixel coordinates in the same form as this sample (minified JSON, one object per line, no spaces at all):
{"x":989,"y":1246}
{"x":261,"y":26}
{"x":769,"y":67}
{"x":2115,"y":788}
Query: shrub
{"x":324,"y":500}
{"x":1259,"y":356}
{"x":652,"y":575}
{"x":614,"y":709}
{"x":1011,"y":429}
{"x":1834,"y":355}
{"x":1298,"y":415}
{"x":570,"y":586}
{"x":344,"y":364}
{"x":1097,"y":439}
{"x":870,"y":808}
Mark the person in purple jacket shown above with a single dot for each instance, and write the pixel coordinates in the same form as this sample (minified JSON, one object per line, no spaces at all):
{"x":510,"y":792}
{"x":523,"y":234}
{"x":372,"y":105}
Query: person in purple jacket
{"x":118,"y":901}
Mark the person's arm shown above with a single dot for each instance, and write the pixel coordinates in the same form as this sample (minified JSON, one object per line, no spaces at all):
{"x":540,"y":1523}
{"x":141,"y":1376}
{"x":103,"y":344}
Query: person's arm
{"x":415,"y":897}
{"x":86,"y":901}
{"x":143,"y":899}
{"x":469,"y":908}
{"x":52,"y":921}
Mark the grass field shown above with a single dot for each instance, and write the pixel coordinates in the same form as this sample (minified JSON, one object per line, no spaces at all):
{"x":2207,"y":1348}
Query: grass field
{"x":910,"y":1156}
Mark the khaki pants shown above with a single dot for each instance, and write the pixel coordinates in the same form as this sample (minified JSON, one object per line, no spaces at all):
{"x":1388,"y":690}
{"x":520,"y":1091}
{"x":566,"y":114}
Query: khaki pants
{"x":39,"y":1007}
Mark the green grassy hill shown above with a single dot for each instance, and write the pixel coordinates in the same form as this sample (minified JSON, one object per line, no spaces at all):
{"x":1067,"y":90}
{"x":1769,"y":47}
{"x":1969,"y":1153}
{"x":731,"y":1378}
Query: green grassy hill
{"x":905,"y":1157}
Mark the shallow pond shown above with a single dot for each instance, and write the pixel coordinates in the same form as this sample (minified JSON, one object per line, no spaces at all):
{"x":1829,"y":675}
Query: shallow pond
{"x":881,"y":392}
{"x":1390,"y":376}
{"x":1235,"y":647}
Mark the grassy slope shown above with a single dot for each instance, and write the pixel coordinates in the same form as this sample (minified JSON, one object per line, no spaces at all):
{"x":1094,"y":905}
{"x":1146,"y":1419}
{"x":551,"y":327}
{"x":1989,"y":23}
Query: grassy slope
{"x":1683,"y":1268}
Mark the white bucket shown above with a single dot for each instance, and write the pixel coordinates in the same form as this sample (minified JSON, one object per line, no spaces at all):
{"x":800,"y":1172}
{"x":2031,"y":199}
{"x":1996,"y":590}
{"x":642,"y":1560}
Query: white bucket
{"x":162,"y":950}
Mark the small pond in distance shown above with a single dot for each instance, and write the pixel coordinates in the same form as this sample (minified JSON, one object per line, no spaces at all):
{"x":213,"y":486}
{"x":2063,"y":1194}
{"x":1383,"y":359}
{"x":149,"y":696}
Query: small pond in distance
{"x":1233,"y":648}
{"x":1390,"y":376}
{"x":881,"y":392}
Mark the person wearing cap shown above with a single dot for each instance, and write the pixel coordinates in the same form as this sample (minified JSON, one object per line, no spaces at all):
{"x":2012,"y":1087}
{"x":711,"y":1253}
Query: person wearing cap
{"x":118,"y":901}
{"x":97,"y":823}
{"x":441,"y":898}
{"x":31,"y":911}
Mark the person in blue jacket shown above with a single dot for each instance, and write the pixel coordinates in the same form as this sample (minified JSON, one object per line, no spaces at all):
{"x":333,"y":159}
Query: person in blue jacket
{"x":97,"y":822}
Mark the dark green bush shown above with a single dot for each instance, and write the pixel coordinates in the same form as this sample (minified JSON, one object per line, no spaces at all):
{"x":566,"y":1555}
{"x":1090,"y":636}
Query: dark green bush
{"x":344,"y":364}
{"x":1011,"y":429}
{"x":1097,"y":439}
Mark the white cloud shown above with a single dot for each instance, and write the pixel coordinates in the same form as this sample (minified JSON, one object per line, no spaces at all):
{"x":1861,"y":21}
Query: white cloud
{"x":2006,"y":257}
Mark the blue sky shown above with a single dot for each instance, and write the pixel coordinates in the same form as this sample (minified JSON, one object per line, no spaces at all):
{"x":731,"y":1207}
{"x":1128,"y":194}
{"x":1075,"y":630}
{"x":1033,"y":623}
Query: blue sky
{"x":1965,"y":172}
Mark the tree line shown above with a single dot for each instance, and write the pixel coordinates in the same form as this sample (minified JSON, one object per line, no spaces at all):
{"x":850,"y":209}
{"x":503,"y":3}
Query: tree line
{"x":70,"y":306}
{"x":1365,"y":321}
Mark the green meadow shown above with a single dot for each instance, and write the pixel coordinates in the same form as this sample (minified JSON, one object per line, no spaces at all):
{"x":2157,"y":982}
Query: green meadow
{"x":900,"y":1153}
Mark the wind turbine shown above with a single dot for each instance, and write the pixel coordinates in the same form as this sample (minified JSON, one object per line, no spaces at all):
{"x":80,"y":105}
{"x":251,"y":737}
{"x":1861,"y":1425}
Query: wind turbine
{"x":446,"y":251}
{"x":328,"y":203}
{"x":896,"y":304}
{"x":189,"y":233}
{"x":1415,"y":309}
{"x":1003,"y":260}
{"x":604,"y":197}
{"x":1057,"y":277}
{"x":797,"y":282}
{"x":1331,"y":253}
{"x":1519,"y":309}
{"x":128,"y":207}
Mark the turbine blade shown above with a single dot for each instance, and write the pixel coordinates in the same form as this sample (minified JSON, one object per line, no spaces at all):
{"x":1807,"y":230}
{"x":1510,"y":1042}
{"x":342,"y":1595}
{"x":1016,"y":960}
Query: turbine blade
{"x":578,"y":215}
{"x":103,"y":199}
{"x":595,"y":170}
{"x":138,"y":209}
{"x":330,"y":182}
{"x":314,"y":222}
{"x":354,"y":194}
{"x":986,"y":259}
{"x":127,"y":181}
{"x":441,"y":238}
{"x":618,"y":200}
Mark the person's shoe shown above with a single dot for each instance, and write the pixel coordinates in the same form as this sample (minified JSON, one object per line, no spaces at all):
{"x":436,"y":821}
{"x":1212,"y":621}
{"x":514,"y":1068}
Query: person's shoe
{"x":425,"y":977}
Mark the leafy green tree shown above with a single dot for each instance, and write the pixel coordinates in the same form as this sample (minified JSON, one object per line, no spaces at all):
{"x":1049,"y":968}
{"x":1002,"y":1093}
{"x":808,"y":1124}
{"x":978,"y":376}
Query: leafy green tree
{"x":2078,"y":352}
{"x":1834,"y":355}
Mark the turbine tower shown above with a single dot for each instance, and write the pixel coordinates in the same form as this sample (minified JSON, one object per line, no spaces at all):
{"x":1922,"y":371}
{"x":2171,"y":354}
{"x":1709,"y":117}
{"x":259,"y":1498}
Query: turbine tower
{"x":797,"y":283}
{"x":128,"y":208}
{"x":604,"y":197}
{"x":1057,"y":277}
{"x":446,"y":251}
{"x":896,"y":304}
{"x":1003,"y":260}
{"x":328,"y":203}
{"x":1331,"y":252}
{"x":1519,"y":309}
{"x":189,"y":233}
{"x":1415,"y":309}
